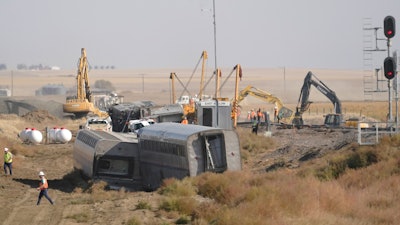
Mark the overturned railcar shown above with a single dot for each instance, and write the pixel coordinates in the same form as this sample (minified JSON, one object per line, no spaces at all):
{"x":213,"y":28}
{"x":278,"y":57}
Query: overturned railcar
{"x":109,"y":156}
{"x":177,"y":150}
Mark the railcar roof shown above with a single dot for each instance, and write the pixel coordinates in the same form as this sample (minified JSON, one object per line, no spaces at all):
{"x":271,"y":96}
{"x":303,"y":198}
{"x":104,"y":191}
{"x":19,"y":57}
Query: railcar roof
{"x":116,"y":136}
{"x":173,"y":130}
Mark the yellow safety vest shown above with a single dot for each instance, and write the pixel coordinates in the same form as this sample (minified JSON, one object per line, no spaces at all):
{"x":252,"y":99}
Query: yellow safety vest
{"x":8,"y":157}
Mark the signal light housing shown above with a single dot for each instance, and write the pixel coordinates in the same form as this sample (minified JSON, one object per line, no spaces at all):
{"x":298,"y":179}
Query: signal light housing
{"x":389,"y":66}
{"x":389,"y":26}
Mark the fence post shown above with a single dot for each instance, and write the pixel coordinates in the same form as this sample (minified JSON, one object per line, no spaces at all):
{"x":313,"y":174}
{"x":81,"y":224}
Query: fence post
{"x":359,"y":133}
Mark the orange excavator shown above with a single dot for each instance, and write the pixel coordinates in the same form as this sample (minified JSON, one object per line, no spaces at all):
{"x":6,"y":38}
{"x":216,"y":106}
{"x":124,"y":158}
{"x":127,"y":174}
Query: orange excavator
{"x":81,"y":105}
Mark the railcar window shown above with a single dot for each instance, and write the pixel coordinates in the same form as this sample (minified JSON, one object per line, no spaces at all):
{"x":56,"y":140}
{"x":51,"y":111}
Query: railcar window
{"x":87,"y":139}
{"x":97,"y":122}
{"x":207,"y":117}
{"x":163,"y":147}
{"x":104,"y":164}
{"x":113,"y":167}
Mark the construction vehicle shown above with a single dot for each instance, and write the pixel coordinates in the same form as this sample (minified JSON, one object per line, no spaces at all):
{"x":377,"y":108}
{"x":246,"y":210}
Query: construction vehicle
{"x":285,"y":114}
{"x":81,"y":105}
{"x":188,"y":101}
{"x":332,"y":119}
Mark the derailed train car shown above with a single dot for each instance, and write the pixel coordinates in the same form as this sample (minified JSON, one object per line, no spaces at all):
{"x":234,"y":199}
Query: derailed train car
{"x":109,"y":156}
{"x":177,"y":150}
{"x":162,"y":150}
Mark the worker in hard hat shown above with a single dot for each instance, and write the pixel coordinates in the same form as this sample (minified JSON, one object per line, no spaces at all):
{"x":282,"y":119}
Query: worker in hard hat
{"x":8,"y":159}
{"x":43,"y":186}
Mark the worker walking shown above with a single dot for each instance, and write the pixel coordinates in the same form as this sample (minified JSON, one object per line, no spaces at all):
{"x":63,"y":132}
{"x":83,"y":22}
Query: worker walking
{"x":43,"y":186}
{"x":8,"y":159}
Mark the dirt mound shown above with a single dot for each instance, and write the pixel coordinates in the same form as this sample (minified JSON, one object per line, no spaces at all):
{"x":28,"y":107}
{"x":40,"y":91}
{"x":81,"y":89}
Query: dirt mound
{"x":39,"y":116}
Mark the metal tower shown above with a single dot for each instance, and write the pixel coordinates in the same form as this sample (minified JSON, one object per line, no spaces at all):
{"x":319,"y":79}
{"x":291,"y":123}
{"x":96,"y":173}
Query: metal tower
{"x":373,"y":79}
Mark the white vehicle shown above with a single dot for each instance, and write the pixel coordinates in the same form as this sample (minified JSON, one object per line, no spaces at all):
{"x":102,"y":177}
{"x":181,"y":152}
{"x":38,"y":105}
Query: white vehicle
{"x":184,"y":99}
{"x":5,"y":92}
{"x":135,"y":125}
{"x":96,"y":123}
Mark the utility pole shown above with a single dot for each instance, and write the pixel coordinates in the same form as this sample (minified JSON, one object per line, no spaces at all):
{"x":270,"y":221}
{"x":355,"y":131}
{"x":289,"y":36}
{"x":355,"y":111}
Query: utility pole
{"x":396,"y":88}
{"x":172,"y":78}
{"x":142,"y":83}
{"x":12,"y":83}
{"x":215,"y":37}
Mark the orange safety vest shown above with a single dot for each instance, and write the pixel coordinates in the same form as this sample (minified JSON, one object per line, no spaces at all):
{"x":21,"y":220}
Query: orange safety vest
{"x":43,"y":184}
{"x":252,"y":115}
{"x":260,"y":114}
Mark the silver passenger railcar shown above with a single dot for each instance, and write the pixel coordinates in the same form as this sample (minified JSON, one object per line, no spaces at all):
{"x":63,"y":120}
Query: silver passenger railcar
{"x":109,"y":156}
{"x":178,"y":150}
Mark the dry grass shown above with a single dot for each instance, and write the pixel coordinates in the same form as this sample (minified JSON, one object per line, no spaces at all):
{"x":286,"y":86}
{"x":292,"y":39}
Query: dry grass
{"x":364,"y":192}
{"x":252,"y":144}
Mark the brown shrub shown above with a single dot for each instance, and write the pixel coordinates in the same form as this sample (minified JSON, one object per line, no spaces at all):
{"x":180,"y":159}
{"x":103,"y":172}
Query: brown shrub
{"x":183,"y":205}
{"x":228,"y":188}
{"x":173,"y":186}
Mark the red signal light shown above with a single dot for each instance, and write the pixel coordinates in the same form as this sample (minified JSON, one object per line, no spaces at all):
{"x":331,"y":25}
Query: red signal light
{"x":389,"y":26}
{"x":389,"y":66}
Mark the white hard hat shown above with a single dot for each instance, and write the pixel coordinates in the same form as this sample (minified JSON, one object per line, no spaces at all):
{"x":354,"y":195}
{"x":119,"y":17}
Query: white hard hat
{"x":6,"y":149}
{"x":41,"y":173}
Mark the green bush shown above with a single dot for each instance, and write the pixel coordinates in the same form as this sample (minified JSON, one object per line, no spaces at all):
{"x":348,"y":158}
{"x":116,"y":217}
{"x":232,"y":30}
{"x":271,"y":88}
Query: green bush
{"x":143,"y":205}
{"x":360,"y":158}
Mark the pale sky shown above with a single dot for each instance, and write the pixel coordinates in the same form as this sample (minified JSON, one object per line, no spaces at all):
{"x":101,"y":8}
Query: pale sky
{"x":131,"y":34}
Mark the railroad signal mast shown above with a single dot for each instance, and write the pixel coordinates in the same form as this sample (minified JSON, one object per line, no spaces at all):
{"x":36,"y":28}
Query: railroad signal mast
{"x":389,"y":64}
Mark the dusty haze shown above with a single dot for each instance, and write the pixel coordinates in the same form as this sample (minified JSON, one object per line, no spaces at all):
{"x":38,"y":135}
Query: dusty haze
{"x":154,"y":84}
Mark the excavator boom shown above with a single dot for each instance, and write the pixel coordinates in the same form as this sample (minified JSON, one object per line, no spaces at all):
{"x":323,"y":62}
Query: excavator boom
{"x":81,"y":104}
{"x":332,"y":120}
{"x":284,"y":114}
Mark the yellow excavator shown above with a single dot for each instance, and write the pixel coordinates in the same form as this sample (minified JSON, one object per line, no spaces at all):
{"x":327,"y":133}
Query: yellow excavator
{"x":81,"y":105}
{"x":285,"y":114}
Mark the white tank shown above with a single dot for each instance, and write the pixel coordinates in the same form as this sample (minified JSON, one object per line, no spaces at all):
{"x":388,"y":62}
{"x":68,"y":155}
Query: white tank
{"x":23,"y":135}
{"x":52,"y":135}
{"x":63,"y":135}
{"x":35,"y":136}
